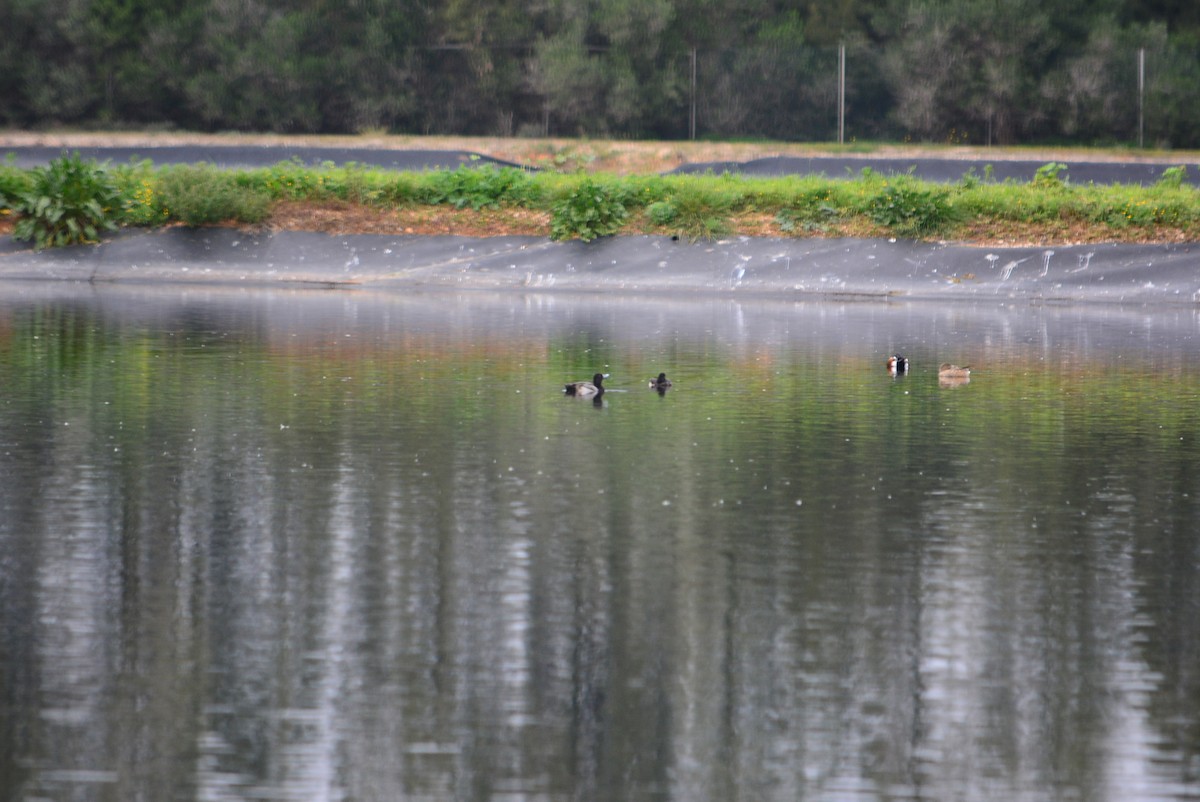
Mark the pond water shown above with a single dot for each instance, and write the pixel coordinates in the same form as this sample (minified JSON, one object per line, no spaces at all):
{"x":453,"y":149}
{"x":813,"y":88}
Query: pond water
{"x":325,"y":546}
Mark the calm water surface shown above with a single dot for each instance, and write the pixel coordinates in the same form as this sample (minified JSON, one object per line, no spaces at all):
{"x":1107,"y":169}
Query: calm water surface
{"x":327,"y":546}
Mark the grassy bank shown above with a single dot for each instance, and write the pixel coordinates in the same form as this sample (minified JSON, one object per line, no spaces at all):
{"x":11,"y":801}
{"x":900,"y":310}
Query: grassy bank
{"x":74,"y":201}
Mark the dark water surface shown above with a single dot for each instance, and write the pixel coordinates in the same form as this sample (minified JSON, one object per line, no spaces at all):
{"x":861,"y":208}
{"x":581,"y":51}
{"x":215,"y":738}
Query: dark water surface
{"x":344,"y":546}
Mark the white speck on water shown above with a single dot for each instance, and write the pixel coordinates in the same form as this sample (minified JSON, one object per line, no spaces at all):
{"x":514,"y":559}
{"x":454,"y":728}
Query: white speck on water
{"x":799,"y":502}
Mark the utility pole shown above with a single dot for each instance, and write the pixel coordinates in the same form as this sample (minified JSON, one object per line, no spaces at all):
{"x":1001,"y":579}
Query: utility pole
{"x":692,"y":122}
{"x":1141,"y":96}
{"x":841,"y":94}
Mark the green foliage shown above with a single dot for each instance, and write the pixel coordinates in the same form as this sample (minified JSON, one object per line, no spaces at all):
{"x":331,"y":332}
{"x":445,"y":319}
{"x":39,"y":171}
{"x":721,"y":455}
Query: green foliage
{"x":700,"y":214}
{"x":662,"y":213}
{"x":911,"y":209}
{"x":695,"y":207}
{"x":1173,"y":177}
{"x":201,"y":195}
{"x":591,"y":210}
{"x":138,"y":185}
{"x":811,"y":210}
{"x":480,"y":187}
{"x":569,"y":158}
{"x":14,"y":183}
{"x":69,"y":201}
{"x":357,"y":183}
{"x":1047,"y":176}
{"x":291,"y":180}
{"x":640,"y":191}
{"x":1126,"y":207}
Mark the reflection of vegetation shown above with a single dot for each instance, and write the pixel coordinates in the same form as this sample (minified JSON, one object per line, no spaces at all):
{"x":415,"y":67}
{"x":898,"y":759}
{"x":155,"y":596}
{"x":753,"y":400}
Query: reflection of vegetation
{"x":50,"y":343}
{"x":822,"y":428}
{"x":808,"y":505}
{"x":1024,"y":409}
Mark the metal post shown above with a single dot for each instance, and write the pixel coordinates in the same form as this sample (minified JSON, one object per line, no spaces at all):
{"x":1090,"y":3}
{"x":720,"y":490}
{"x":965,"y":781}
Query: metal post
{"x":1141,"y":96}
{"x":841,"y":94}
{"x":692,"y":125}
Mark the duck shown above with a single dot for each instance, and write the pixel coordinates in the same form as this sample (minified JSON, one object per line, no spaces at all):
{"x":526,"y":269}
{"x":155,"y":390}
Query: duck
{"x":948,"y":371}
{"x":661,"y":383}
{"x":587,"y":389}
{"x":897,"y":364}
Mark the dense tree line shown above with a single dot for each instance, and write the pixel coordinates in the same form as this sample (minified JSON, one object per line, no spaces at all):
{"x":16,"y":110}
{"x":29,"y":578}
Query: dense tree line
{"x":1004,"y":71}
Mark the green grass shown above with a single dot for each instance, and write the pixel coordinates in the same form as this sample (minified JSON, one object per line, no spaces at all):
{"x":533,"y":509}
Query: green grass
{"x":587,"y":206}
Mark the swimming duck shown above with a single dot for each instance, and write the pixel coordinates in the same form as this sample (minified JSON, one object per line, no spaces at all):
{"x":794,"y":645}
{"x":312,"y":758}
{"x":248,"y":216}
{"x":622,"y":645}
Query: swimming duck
{"x":587,"y":389}
{"x":948,"y":371}
{"x":661,"y":383}
{"x":897,"y":364}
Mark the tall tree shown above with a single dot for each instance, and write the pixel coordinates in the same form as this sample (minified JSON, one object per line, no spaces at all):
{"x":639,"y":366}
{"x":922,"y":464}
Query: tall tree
{"x":245,"y":71}
{"x":602,"y":66}
{"x":358,"y":61}
{"x":970,"y":65}
{"x":476,"y":80}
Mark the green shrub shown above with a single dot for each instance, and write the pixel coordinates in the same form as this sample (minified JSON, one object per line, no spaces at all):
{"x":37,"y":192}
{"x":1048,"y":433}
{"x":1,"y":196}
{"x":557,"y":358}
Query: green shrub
{"x":643,"y":190}
{"x":701,"y":214}
{"x":480,"y":187}
{"x":138,"y":185}
{"x":70,"y":201}
{"x":911,"y":210}
{"x":1048,"y":175}
{"x":591,"y":210}
{"x":662,"y":213}
{"x":398,"y":189}
{"x":290,"y":180}
{"x":14,"y":182}
{"x":1173,"y":177}
{"x":809,"y":211}
{"x":352,"y":182}
{"x":1145,"y":210}
{"x":200,"y":195}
